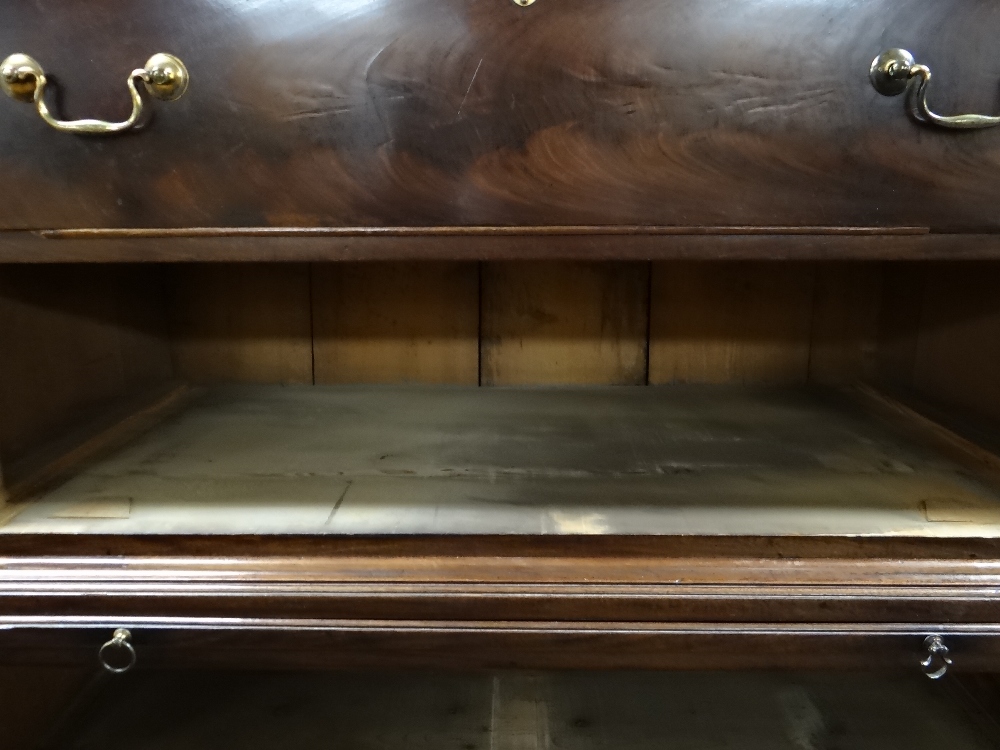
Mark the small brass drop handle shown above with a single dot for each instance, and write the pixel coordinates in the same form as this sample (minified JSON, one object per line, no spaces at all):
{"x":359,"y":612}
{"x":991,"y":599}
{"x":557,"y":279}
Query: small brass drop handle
{"x":118,"y":655}
{"x":894,"y":70}
{"x":937,"y":661}
{"x":164,"y":77}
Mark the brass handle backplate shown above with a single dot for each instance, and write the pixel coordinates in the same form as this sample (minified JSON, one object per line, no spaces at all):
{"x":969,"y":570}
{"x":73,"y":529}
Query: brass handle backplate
{"x":164,"y":77}
{"x":894,"y":70}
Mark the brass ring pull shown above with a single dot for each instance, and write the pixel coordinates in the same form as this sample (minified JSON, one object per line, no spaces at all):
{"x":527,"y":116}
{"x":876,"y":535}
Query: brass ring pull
{"x":164,"y":77}
{"x":119,"y":645}
{"x":891,"y":74}
{"x":937,"y":661}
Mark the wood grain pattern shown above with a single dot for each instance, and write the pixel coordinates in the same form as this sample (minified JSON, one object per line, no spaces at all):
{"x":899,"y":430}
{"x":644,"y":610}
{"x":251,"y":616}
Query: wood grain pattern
{"x":241,"y":323}
{"x":733,"y":322}
{"x":958,"y":353}
{"x":559,"y":323}
{"x":466,"y":112}
{"x":845,"y":323}
{"x":396,"y":323}
{"x":73,"y":339}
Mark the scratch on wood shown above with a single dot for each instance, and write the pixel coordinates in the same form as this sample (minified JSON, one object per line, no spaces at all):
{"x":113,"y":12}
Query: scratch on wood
{"x":340,"y":501}
{"x":470,"y":87}
{"x":314,"y":113}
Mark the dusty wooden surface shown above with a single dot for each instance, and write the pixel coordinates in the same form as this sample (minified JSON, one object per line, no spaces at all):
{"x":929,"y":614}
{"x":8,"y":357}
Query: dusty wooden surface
{"x":525,"y":711}
{"x":370,"y":460}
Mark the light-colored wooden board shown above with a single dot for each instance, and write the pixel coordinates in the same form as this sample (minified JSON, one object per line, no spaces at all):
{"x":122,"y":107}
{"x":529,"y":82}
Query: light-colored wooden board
{"x":519,"y":710}
{"x":845,"y":323}
{"x":958,"y":353}
{"x":241,"y":323}
{"x":72,"y":339}
{"x":450,"y":460}
{"x":564,"y":323}
{"x":730,"y":322}
{"x":396,"y":323}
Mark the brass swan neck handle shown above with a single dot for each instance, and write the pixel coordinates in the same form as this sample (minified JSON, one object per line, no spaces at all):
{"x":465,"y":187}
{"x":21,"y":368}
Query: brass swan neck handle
{"x":164,"y":77}
{"x":894,"y":70}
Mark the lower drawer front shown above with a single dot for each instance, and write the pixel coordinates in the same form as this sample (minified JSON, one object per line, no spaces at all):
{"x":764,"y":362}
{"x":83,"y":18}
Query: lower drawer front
{"x":485,"y":645}
{"x":208,"y":707}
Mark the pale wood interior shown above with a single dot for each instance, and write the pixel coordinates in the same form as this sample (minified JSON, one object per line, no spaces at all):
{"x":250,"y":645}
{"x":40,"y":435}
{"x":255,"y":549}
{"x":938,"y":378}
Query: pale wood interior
{"x":75,"y":340}
{"x":707,"y":460}
{"x":78,"y":342}
{"x":528,"y":323}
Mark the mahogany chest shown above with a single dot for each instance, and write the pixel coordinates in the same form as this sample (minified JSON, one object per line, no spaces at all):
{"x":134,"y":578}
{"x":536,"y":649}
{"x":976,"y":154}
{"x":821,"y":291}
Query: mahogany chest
{"x":478,"y":373}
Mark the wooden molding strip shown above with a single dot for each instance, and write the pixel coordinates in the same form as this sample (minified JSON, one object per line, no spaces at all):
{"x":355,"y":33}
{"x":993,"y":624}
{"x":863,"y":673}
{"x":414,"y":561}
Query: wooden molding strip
{"x":307,"y":246}
{"x":440,"y":587}
{"x":467,"y":231}
{"x":492,"y":243}
{"x":296,"y":625}
{"x":943,"y":551}
{"x":488,"y":573}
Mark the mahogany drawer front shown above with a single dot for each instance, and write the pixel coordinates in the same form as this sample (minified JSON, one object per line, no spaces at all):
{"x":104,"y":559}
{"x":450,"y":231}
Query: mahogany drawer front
{"x":480,"y":113}
{"x":356,"y":644}
{"x":518,"y":580}
{"x":162,"y":679}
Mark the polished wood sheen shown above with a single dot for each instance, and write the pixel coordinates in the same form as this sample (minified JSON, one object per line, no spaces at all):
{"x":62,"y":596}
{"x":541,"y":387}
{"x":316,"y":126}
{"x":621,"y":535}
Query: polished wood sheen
{"x":485,"y":243}
{"x":435,"y":113}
